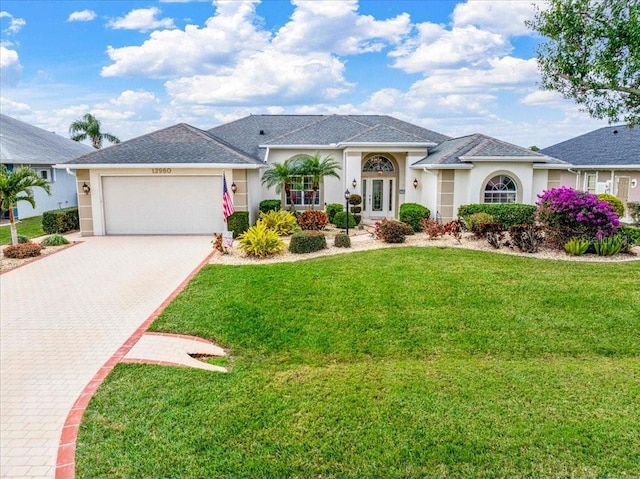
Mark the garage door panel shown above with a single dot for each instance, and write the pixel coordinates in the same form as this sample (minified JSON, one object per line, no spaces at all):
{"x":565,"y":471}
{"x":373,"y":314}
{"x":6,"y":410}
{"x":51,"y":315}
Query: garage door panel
{"x":162,"y":204}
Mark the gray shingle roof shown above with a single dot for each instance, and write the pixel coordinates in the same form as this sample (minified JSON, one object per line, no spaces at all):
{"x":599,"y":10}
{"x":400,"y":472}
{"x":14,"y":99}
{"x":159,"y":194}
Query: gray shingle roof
{"x":24,"y":144}
{"x":178,"y":144}
{"x":244,"y":134}
{"x":449,"y":152}
{"x":608,"y":146}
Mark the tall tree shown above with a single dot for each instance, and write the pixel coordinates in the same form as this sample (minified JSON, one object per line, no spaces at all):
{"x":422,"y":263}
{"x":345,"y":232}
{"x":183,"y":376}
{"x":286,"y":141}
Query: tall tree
{"x":88,"y":127}
{"x":318,"y":168}
{"x":280,"y":176}
{"x":17,"y":186}
{"x":593,"y":55}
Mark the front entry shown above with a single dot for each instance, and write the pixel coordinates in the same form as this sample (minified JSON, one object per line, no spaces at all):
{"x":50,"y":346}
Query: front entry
{"x":379,"y":198}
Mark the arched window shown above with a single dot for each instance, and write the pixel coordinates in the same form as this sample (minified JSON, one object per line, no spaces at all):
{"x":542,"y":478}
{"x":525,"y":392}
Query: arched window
{"x":378,"y":164}
{"x":501,"y":189}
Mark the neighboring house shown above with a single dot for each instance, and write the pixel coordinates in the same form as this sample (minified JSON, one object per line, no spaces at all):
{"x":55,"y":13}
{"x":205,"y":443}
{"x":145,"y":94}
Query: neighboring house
{"x":606,"y":160}
{"x":22,"y":144}
{"x":170,"y":181}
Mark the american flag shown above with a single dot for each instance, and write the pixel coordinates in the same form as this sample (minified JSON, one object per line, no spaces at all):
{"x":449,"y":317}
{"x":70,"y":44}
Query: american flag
{"x":227,"y":201}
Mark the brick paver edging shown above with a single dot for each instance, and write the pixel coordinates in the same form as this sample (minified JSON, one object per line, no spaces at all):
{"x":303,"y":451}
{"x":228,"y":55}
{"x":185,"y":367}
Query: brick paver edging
{"x":65,"y":464}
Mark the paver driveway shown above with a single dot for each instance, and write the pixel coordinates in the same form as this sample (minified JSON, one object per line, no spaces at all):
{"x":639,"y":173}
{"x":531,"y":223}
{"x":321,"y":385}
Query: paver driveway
{"x":62,"y":318}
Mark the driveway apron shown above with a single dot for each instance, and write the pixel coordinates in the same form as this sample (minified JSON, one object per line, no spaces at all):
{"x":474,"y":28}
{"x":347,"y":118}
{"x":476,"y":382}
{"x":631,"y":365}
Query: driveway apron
{"x":62,"y":317}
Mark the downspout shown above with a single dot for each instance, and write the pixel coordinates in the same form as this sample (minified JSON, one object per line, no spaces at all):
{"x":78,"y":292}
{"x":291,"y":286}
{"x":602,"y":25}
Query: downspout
{"x":577,"y":173}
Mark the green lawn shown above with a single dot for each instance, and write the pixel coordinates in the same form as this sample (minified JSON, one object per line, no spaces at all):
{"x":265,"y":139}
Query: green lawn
{"x":395,"y":363}
{"x":29,"y":227}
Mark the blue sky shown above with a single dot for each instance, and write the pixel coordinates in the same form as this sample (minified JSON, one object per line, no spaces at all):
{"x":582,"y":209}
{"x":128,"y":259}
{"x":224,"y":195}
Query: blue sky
{"x":455,"y":67}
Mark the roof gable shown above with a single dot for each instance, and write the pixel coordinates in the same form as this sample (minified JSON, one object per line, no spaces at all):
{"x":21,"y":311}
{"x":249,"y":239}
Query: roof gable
{"x":178,"y":144}
{"x":608,"y":146}
{"x":25,"y":144}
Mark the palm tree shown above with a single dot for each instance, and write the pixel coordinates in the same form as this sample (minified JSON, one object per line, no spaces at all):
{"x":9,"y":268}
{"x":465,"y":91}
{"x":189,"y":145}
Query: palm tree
{"x":280,"y":175}
{"x":318,"y":168}
{"x":17,"y":186}
{"x":89,"y":127}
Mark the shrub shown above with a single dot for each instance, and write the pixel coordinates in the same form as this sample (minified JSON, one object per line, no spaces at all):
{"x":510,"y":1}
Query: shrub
{"x":631,"y":233}
{"x":566,"y":213}
{"x":313,"y":220}
{"x":282,"y":222}
{"x":55,"y":240}
{"x":340,"y":220}
{"x":433,"y":229}
{"x":454,"y":228}
{"x":355,"y":200}
{"x":392,"y":231}
{"x":576,"y":246}
{"x":481,"y":230}
{"x":22,"y":250}
{"x":342,"y":241}
{"x":270,"y":205}
{"x":22,"y":239}
{"x":476,"y":218}
{"x":508,"y":214}
{"x":634,"y":211}
{"x":608,"y":245}
{"x":616,"y":203}
{"x":412,"y":214}
{"x":527,"y":238}
{"x":332,"y":209}
{"x":307,"y":242}
{"x":260,"y":242}
{"x":60,"y":221}
{"x":238,"y":223}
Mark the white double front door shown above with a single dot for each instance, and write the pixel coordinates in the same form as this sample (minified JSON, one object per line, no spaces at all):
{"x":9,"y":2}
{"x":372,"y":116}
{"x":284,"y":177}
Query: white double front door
{"x":378,"y":198}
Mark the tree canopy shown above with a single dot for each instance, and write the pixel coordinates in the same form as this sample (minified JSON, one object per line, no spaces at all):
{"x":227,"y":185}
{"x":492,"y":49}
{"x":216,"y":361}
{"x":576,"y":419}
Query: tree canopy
{"x":88,"y":127}
{"x":593,"y":55}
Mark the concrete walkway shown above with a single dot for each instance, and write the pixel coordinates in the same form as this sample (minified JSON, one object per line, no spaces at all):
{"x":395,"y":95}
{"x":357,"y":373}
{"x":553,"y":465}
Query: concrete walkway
{"x":62,"y":318}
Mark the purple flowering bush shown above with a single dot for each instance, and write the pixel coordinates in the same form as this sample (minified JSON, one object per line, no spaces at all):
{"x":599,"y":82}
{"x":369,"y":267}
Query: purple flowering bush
{"x":566,"y":213}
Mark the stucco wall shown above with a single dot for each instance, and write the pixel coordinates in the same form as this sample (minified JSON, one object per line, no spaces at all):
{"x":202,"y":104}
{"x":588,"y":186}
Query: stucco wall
{"x":63,"y":194}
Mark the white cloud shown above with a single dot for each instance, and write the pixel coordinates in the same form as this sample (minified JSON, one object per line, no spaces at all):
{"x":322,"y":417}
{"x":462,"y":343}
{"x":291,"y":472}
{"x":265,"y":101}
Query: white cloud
{"x":434,"y":46}
{"x":15,"y":24}
{"x":10,"y":67}
{"x":543,"y":98}
{"x":227,"y":37}
{"x":82,"y":16}
{"x":266,"y":76}
{"x":336,"y":27}
{"x":141,"y":19}
{"x":499,"y":16}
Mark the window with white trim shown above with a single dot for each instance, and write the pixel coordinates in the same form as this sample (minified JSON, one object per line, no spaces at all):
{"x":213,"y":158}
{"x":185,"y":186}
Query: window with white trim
{"x":302,"y":192}
{"x":501,"y":189}
{"x":590,"y":182}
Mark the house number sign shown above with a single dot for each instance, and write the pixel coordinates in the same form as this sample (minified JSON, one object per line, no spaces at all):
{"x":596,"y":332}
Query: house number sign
{"x":160,"y":171}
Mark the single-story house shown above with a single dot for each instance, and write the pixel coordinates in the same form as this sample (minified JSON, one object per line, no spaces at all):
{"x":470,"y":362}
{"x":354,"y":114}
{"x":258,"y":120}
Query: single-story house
{"x":22,"y":144}
{"x":606,"y":160}
{"x":170,"y":181}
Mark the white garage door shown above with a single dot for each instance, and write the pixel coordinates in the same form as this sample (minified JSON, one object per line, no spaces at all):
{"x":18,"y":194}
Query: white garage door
{"x":150,"y":205}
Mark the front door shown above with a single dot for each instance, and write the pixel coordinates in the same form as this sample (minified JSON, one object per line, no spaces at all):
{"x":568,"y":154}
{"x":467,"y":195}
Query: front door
{"x":622,"y":190}
{"x":378,"y":198}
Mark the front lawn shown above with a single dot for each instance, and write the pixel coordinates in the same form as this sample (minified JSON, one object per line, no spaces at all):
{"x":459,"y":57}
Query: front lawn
{"x":29,"y":227}
{"x":393,"y":363}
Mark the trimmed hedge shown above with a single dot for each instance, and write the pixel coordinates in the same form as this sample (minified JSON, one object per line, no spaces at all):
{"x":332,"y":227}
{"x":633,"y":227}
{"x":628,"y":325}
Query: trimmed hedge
{"x":614,"y":201}
{"x":340,"y":220}
{"x":412,"y":214}
{"x":307,"y":242}
{"x":238,"y":223}
{"x":508,"y":214}
{"x":342,"y":241}
{"x":60,"y":221}
{"x":22,"y":250}
{"x":270,"y":205}
{"x":332,"y":209}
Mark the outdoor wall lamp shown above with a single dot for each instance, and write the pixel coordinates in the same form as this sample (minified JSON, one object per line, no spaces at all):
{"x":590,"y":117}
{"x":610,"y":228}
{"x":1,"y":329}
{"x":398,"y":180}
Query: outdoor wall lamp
{"x":415,"y":182}
{"x":234,"y":187}
{"x":354,"y":183}
{"x":86,"y":188}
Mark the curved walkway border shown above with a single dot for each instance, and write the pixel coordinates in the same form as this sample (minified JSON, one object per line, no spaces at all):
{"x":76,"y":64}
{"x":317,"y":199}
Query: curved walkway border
{"x":65,"y":464}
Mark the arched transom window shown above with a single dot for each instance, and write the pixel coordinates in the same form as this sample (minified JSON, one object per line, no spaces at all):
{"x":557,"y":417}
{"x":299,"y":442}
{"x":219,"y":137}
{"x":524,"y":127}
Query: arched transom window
{"x":378,"y":164}
{"x":501,"y":189}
